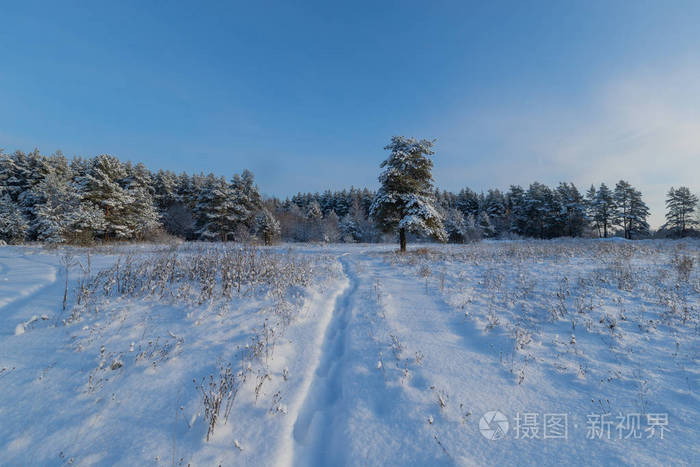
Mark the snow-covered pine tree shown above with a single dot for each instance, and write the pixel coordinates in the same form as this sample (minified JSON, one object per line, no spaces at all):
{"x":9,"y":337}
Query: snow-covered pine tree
{"x":574,"y":206}
{"x":355,"y":226}
{"x":13,"y":174}
{"x":58,"y":164}
{"x":13,"y":225}
{"x":639,"y":211}
{"x":267,"y":227}
{"x":35,"y":167}
{"x":214,"y":210}
{"x":468,"y":202}
{"x":590,"y":209}
{"x":79,"y":169}
{"x":366,"y":199}
{"x":343,"y":202}
{"x":631,"y":212}
{"x":56,"y":204}
{"x":472,"y":230}
{"x":101,"y":187}
{"x":311,"y":229}
{"x":327,"y":202}
{"x":604,"y":209}
{"x":330,"y":230}
{"x":246,"y":201}
{"x":517,"y":208}
{"x":141,"y":215}
{"x":85,"y":223}
{"x":494,"y":204}
{"x":314,"y":212}
{"x":485,"y":226}
{"x":7,"y":174}
{"x":349,"y":230}
{"x":680,"y":209}
{"x":455,"y":225}
{"x":164,"y":190}
{"x":405,"y":200}
{"x":537,"y":210}
{"x":186,"y":190}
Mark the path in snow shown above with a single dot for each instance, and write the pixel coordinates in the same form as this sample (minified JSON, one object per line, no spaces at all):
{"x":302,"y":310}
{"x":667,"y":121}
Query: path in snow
{"x":314,"y":425}
{"x":29,"y":286}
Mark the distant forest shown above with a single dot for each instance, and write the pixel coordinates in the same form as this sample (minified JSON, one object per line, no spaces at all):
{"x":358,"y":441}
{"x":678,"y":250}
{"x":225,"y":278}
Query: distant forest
{"x":54,"y":199}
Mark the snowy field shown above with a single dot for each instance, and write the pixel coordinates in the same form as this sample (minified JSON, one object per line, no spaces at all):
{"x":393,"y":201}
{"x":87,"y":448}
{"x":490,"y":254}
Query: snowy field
{"x":517,"y":353}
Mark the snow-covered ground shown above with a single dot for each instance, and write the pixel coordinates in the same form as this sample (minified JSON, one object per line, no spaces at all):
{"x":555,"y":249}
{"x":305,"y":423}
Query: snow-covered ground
{"x":524,"y":353}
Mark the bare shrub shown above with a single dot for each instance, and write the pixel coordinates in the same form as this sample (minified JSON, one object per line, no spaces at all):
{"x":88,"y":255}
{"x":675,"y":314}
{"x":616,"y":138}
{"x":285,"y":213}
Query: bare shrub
{"x":198,"y":275}
{"x":219,"y":392}
{"x":683,"y":265}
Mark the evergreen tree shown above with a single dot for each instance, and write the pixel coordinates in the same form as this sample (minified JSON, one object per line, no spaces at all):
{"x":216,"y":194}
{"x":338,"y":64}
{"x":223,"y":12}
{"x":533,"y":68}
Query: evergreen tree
{"x":79,"y":169}
{"x":538,"y":210}
{"x":267,"y":227}
{"x":84,"y":223}
{"x":485,"y":226}
{"x":604,"y":208}
{"x":639,"y":211}
{"x":101,"y":187}
{"x":58,"y":164}
{"x":141,"y":215}
{"x":13,"y":225}
{"x":680,"y":205}
{"x":631,"y":212}
{"x":494,"y":204}
{"x":35,"y":168}
{"x":246,"y":200}
{"x":313,"y":212}
{"x":311,"y":229}
{"x":14,"y":174}
{"x":349,"y":230}
{"x":590,"y":209}
{"x":187,"y":190}
{"x":574,"y":206}
{"x":164,"y":190}
{"x":330,"y":230}
{"x":518,"y":219}
{"x":214,"y":210}
{"x":342,"y":202}
{"x":405,"y":201}
{"x":355,"y":226}
{"x":467,"y":201}
{"x":7,"y":170}
{"x":56,"y":206}
{"x":455,"y":226}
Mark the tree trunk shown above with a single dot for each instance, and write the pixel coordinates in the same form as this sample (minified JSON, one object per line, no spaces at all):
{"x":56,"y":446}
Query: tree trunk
{"x":402,"y":240}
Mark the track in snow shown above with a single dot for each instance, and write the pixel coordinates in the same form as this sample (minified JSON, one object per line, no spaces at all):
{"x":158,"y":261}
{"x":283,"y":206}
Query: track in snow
{"x":313,"y":428}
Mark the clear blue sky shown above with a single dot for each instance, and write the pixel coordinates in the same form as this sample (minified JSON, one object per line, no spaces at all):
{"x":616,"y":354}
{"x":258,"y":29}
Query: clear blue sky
{"x":306,"y":94}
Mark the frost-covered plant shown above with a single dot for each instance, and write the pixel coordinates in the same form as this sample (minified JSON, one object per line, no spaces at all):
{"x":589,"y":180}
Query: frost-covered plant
{"x":683,"y":265}
{"x":201,"y":275}
{"x":219,"y":392}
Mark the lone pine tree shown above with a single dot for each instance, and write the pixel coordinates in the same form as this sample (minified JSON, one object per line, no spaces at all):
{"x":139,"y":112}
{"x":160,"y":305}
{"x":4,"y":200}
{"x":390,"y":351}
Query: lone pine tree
{"x":680,"y":205}
{"x":405,"y":200}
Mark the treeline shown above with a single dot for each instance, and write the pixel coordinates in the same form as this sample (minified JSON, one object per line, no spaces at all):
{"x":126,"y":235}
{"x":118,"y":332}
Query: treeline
{"x":50,"y":199}
{"x":538,"y":211}
{"x":53,"y":199}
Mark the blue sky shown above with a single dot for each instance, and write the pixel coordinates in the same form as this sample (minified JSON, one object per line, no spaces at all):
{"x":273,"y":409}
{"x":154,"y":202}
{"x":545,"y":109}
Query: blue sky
{"x":306,"y":94}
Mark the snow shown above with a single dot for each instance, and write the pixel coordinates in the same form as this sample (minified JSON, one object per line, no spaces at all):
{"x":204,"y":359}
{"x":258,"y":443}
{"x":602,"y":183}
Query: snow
{"x":387,"y":359}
